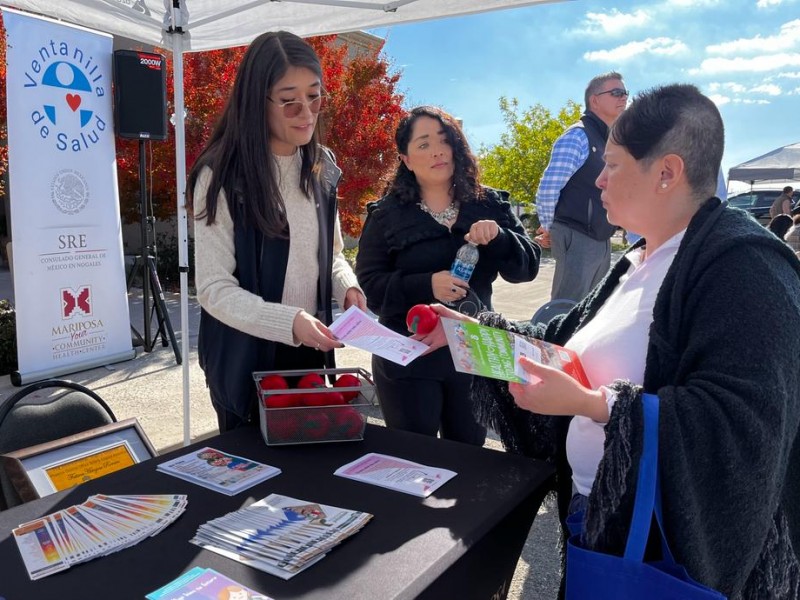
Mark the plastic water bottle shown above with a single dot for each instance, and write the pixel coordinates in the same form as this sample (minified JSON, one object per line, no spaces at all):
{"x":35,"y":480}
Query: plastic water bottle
{"x":466,"y":259}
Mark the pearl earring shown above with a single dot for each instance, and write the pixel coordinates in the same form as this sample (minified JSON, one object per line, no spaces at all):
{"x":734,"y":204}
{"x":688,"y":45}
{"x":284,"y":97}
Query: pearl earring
{"x":663,"y":185}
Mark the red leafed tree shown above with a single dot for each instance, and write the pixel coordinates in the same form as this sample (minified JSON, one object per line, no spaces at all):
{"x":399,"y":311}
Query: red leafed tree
{"x":361,"y":116}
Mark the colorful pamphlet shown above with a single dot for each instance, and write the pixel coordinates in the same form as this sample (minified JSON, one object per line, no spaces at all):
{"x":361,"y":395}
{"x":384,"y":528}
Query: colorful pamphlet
{"x":356,"y":328}
{"x":278,"y":534}
{"x":495,"y":353}
{"x":396,"y":474}
{"x":99,"y":526}
{"x":204,"y":584}
{"x":218,"y":471}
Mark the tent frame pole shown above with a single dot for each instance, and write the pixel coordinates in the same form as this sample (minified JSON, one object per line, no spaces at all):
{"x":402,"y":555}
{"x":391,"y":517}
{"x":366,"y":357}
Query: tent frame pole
{"x":175,"y":33}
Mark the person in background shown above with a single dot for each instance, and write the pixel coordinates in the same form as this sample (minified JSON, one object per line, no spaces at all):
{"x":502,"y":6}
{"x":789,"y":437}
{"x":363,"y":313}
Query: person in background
{"x":729,"y":450}
{"x":573,"y":220}
{"x":782,"y":204}
{"x":792,"y":235}
{"x":779,"y":225}
{"x":268,"y":249}
{"x":432,"y":206}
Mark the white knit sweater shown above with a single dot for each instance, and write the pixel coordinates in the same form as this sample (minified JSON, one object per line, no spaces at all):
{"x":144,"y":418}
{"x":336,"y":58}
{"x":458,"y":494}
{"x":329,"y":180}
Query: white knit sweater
{"x":218,"y":291}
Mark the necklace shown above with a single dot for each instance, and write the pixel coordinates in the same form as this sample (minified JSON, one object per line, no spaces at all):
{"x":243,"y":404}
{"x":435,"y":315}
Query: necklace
{"x":447,"y":215}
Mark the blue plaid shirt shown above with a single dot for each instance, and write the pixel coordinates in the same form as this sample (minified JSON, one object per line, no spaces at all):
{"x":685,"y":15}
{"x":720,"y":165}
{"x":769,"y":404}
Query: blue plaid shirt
{"x":569,"y":153}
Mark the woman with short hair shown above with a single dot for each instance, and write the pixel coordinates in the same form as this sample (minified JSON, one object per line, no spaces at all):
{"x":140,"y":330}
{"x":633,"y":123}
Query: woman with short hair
{"x":704,"y":312}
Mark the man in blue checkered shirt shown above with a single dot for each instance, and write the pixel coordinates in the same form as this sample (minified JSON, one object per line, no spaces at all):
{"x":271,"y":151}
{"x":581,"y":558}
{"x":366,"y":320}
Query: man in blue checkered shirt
{"x":573,"y":220}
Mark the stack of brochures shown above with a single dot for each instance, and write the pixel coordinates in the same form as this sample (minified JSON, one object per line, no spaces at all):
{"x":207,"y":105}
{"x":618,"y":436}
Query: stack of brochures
{"x":199,"y":583}
{"x":218,"y":471}
{"x":396,"y":474}
{"x":280,"y":535}
{"x":99,"y":526}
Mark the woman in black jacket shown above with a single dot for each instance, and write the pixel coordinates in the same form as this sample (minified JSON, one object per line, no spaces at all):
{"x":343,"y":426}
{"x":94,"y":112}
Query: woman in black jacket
{"x":410,"y":239}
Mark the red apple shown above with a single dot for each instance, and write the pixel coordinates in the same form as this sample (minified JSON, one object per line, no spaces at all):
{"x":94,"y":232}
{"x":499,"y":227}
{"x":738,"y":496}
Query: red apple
{"x":273,"y":382}
{"x":348,"y":381}
{"x":421,"y":319}
{"x":347,"y":423}
{"x":314,"y":425}
{"x":323,"y":399}
{"x":281,"y":400}
{"x":311,"y":381}
{"x":283,"y":426}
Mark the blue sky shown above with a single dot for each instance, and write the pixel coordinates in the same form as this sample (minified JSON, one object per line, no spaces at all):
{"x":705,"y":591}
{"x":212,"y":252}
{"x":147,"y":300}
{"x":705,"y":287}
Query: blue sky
{"x":744,"y":54}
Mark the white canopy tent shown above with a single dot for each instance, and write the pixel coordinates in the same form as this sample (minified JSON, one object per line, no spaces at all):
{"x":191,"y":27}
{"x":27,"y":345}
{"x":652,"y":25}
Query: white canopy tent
{"x":196,"y":25}
{"x":779,"y":164}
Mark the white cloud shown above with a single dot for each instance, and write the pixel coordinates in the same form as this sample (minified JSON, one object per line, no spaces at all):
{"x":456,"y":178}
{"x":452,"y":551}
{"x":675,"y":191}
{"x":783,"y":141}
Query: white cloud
{"x":731,"y":86}
{"x":795,"y":92}
{"x":719,"y":100}
{"x":770,"y":89}
{"x":692,"y":3}
{"x":732,"y":92}
{"x":759,"y":64}
{"x":661,"y":46}
{"x":787,"y":75}
{"x":756,"y":44}
{"x":767,"y":3}
{"x":613,"y":23}
{"x":788,"y":37}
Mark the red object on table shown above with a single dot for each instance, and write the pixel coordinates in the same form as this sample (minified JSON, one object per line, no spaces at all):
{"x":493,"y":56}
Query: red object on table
{"x":346,"y":381}
{"x":273,"y":382}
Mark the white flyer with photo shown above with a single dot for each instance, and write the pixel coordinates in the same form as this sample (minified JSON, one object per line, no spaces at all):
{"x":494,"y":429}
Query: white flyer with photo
{"x":356,"y":328}
{"x":396,"y":474}
{"x":218,"y":471}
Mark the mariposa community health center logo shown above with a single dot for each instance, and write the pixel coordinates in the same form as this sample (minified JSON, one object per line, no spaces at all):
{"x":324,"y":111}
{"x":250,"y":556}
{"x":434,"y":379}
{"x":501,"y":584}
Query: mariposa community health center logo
{"x":66,"y":90}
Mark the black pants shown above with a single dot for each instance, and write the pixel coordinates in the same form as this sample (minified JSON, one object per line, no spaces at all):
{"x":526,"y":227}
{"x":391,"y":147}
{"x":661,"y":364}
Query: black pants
{"x":428,"y":396}
{"x":286,"y":358}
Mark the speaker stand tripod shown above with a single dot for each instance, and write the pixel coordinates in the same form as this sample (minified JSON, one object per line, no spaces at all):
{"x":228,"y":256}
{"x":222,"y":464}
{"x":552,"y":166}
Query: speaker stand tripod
{"x":145,"y":265}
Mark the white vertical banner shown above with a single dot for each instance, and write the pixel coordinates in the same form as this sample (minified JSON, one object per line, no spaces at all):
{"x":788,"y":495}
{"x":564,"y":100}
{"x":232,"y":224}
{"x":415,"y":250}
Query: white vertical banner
{"x":69,"y":275}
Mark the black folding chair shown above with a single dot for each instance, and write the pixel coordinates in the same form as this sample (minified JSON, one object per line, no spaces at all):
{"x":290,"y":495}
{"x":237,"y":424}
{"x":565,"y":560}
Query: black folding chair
{"x":42,"y":412}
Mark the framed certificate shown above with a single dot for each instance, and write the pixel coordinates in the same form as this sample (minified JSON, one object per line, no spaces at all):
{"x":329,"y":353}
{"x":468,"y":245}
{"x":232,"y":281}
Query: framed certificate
{"x":40,"y":470}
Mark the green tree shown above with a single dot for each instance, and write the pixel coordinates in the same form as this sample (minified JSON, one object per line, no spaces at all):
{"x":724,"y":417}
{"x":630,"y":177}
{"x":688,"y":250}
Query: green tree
{"x":516,"y":164}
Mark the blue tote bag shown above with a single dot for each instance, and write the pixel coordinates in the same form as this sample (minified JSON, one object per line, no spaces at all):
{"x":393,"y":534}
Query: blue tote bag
{"x":601,"y":576}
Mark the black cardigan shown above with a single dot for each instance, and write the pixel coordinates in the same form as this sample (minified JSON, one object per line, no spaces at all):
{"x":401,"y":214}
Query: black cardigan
{"x":401,"y":247}
{"x":722,"y":357}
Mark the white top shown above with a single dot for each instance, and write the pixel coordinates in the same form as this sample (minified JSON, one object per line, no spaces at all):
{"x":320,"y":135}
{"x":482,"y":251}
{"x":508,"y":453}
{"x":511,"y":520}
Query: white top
{"x":218,"y":291}
{"x":613,"y":345}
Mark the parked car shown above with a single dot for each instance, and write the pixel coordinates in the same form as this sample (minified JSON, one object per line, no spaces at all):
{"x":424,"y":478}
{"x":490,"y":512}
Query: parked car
{"x":758,"y":202}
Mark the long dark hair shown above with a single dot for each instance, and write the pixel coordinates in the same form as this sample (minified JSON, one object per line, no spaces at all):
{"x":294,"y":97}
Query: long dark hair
{"x":238,"y":151}
{"x":466,"y":178}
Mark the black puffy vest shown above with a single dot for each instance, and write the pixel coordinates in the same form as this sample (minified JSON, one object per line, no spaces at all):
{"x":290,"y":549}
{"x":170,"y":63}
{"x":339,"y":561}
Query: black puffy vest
{"x":579,"y":205}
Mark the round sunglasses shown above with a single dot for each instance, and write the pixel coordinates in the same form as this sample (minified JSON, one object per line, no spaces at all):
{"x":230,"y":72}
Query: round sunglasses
{"x":293,"y":108}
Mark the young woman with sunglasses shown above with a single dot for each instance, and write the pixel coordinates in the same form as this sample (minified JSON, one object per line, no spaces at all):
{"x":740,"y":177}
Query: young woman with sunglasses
{"x":268,"y":248}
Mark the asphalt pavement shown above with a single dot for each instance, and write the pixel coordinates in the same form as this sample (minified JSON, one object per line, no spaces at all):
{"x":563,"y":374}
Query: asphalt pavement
{"x":150,"y":388}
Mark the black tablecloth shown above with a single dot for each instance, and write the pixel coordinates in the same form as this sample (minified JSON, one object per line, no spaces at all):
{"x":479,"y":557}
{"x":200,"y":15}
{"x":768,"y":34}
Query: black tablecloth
{"x":461,"y":542}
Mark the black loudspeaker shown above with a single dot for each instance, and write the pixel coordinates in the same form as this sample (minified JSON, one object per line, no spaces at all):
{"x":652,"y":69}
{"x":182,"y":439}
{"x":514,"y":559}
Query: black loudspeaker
{"x":140,"y":95}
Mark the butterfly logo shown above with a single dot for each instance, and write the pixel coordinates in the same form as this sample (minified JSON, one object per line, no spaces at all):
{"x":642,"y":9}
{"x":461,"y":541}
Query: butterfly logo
{"x":76,"y":303}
